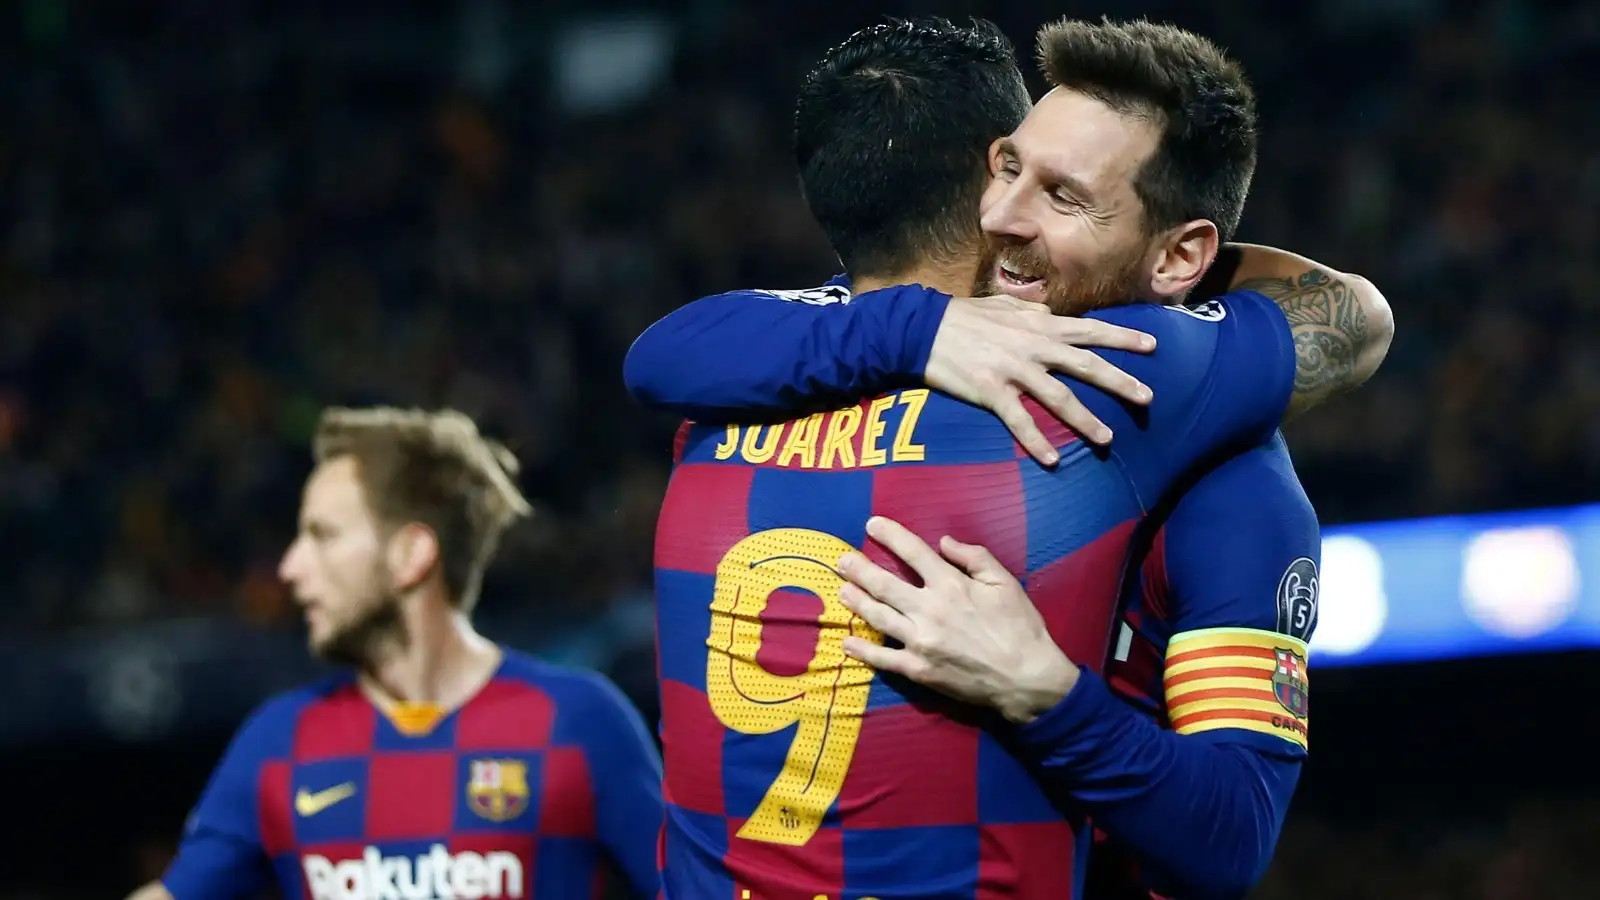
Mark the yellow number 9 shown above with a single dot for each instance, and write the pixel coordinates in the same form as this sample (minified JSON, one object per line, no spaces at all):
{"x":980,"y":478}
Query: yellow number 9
{"x":826,"y":701}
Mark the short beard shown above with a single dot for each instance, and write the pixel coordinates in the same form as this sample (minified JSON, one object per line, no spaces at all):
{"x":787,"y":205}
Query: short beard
{"x":379,"y":629}
{"x":1112,"y":282}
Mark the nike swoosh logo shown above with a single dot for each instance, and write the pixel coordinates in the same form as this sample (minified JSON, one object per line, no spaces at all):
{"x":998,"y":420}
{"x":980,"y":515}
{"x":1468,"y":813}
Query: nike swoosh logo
{"x":308,"y":804}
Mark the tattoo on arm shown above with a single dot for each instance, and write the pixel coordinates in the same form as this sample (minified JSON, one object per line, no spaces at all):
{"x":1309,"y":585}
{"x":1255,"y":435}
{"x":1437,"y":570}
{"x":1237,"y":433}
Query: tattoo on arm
{"x":1330,"y":331}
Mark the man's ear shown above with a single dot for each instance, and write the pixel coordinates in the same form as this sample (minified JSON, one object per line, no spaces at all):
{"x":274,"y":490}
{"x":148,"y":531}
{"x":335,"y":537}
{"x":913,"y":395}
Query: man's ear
{"x":412,"y":553}
{"x":1183,"y":260}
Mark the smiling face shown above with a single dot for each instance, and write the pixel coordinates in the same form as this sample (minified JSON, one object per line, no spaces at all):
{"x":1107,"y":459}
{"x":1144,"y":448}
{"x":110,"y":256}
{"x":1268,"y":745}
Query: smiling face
{"x":1061,"y":219}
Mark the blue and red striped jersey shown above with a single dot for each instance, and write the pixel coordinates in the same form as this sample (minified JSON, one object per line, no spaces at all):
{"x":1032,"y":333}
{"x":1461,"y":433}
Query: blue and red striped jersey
{"x":525,"y":791}
{"x":792,"y":771}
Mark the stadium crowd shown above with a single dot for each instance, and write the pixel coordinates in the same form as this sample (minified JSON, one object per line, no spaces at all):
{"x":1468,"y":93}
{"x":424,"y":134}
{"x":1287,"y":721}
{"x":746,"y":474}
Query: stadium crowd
{"x":1540,"y":851}
{"x":203,"y":247}
{"x":220,"y":216}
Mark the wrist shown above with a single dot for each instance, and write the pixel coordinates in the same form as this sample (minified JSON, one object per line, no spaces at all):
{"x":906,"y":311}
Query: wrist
{"x":920,"y":328}
{"x":1042,"y":689}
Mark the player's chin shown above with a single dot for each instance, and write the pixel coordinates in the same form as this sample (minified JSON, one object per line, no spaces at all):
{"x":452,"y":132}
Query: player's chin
{"x":332,"y":646}
{"x":318,"y":644}
{"x":320,"y":632}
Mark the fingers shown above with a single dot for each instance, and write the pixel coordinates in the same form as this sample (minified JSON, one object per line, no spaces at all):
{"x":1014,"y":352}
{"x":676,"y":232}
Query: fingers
{"x":912,"y":550}
{"x":1059,"y":399}
{"x":879,"y":583}
{"x":881,"y":616}
{"x":1025,"y":428}
{"x":975,"y":560}
{"x":1091,"y":369}
{"x":884,"y":659}
{"x":1004,"y":302}
{"x":1095,"y":333}
{"x":1072,"y":330}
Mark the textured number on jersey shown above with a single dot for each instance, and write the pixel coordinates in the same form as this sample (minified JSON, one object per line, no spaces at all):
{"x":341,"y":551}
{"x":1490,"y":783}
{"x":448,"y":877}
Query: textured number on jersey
{"x":826,"y":701}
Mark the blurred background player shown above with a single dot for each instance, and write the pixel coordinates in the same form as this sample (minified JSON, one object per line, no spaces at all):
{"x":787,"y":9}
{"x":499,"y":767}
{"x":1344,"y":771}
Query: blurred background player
{"x":439,"y":764}
{"x":902,"y":249}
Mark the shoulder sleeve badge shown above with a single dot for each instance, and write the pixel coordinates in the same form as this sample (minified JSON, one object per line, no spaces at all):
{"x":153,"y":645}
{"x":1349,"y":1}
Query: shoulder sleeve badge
{"x":1297,"y":599}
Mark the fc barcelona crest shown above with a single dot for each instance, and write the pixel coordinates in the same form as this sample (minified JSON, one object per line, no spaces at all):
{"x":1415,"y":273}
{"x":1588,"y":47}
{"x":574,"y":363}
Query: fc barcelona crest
{"x":498,"y":788}
{"x":1289,"y":682}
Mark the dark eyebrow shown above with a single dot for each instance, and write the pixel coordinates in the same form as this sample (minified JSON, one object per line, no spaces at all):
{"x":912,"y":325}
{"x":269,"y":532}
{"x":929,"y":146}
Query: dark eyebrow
{"x":1071,"y":183}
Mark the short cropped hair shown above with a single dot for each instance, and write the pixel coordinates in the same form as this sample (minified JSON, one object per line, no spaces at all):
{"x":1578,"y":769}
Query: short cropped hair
{"x":433,"y":469}
{"x":892,"y":133}
{"x":1205,"y":108}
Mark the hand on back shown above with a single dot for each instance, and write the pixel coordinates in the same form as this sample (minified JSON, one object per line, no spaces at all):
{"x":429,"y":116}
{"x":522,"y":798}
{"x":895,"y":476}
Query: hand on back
{"x":990,"y":351}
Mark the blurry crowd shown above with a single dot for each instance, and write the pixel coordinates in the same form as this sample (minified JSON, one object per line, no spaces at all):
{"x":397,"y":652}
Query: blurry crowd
{"x":1541,"y":851}
{"x":220,"y":215}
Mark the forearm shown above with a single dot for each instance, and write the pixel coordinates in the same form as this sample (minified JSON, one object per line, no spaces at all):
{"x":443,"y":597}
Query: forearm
{"x":628,"y":821}
{"x":1202,"y":817}
{"x":627,"y":772}
{"x":748,"y":352}
{"x":1342,"y":323}
{"x":210,"y":865}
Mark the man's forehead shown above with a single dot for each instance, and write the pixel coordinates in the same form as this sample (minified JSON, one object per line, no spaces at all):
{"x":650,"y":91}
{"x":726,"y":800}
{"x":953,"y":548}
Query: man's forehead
{"x":1070,"y":131}
{"x":333,"y":489}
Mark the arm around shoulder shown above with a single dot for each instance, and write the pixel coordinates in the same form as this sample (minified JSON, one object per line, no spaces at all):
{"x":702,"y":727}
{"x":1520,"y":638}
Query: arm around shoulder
{"x":1341,"y":323}
{"x":775,"y":351}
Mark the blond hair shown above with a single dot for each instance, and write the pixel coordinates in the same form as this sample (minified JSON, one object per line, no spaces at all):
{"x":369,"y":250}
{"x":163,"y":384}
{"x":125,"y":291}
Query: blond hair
{"x":433,"y":469}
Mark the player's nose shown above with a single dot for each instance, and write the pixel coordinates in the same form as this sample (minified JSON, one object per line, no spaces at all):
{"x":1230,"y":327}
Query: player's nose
{"x":289,"y":566}
{"x":1006,"y":216}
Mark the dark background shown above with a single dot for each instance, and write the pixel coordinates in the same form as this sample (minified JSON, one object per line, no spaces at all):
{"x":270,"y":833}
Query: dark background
{"x":217,"y":216}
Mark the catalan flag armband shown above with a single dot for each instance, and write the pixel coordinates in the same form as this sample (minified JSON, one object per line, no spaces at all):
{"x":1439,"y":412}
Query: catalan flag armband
{"x":1238,"y":678}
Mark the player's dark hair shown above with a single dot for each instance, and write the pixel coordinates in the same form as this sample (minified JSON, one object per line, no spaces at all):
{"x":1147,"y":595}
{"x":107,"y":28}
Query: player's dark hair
{"x":891,"y":135}
{"x":1197,"y":95}
{"x":433,"y":469}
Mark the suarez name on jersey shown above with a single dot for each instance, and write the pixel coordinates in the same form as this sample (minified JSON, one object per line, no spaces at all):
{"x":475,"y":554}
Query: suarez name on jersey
{"x":523,"y":792}
{"x":794,"y":772}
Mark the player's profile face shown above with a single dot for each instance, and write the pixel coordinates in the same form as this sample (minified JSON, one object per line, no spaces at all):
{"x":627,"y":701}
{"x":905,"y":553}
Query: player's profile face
{"x":1062,"y":222}
{"x":335,"y":566}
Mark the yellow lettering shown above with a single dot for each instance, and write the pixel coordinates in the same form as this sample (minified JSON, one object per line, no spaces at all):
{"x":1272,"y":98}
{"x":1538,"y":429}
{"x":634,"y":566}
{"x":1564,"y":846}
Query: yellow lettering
{"x":757,"y":453}
{"x":758,"y":444}
{"x":904,"y":450}
{"x":871,"y":453}
{"x":841,"y":429}
{"x":729,"y":443}
{"x":802,"y":442}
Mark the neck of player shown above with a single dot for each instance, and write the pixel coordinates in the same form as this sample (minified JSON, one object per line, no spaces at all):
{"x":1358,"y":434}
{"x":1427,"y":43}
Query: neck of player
{"x":954,"y":278}
{"x":443,"y":661}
